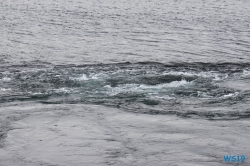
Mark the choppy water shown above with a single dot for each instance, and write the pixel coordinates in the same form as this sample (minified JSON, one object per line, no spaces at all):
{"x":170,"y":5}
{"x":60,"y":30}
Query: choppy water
{"x":189,"y":58}
{"x":204,"y":90}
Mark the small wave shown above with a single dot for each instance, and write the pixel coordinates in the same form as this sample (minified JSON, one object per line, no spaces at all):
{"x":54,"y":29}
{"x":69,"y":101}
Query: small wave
{"x":82,"y":77}
{"x":145,"y":88}
{"x":122,"y":89}
{"x":6,"y":79}
{"x":91,"y":76}
{"x":230,"y":95}
{"x":245,"y":74}
{"x":213,"y":75}
{"x":5,"y":89}
{"x":165,"y":97}
{"x":62,"y":90}
{"x":173,"y":84}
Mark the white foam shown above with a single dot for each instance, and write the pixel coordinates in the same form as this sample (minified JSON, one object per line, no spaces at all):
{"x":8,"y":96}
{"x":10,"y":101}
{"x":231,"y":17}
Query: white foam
{"x":166,"y":97}
{"x":98,"y":76}
{"x":246,"y":73}
{"x":144,"y":88}
{"x":215,"y":76}
{"x":6,"y":79}
{"x":64,"y":90}
{"x":122,"y":88}
{"x":203,"y":94}
{"x":37,"y":93}
{"x":4,"y":89}
{"x":173,"y":84}
{"x":83,"y":77}
{"x":230,"y":95}
{"x":179,"y":73}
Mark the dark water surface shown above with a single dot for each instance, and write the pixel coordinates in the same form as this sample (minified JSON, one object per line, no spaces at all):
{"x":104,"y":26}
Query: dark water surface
{"x":189,"y":58}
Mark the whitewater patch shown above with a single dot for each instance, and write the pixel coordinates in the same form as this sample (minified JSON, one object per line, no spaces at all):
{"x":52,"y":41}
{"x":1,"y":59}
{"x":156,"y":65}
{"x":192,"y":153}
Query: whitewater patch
{"x":245,"y":73}
{"x":5,"y":89}
{"x":165,"y":97}
{"x":172,"y":84}
{"x":213,"y":75}
{"x":230,"y":95}
{"x":62,"y":90}
{"x":145,"y":88}
{"x":83,"y":77}
{"x":129,"y":86}
{"x":6,"y":79}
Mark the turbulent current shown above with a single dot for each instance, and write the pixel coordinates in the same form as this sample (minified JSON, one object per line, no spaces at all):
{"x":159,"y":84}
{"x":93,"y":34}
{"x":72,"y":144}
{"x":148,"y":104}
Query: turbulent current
{"x":213,"y":91}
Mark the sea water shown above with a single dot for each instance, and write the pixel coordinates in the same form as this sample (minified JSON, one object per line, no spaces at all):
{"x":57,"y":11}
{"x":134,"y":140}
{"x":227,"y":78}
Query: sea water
{"x":188,"y":59}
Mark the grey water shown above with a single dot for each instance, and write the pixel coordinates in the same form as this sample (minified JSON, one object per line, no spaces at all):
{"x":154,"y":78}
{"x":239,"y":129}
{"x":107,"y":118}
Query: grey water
{"x":190,"y":58}
{"x":124,"y":82}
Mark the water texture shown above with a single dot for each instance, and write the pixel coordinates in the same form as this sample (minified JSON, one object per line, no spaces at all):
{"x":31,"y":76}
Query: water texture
{"x":189,"y":58}
{"x":124,"y":82}
{"x":110,"y":31}
{"x":205,"y":90}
